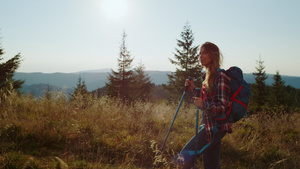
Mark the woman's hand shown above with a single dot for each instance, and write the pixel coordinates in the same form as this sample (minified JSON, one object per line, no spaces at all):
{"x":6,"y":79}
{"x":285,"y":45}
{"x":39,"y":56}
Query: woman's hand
{"x":189,"y":83}
{"x":198,"y":102}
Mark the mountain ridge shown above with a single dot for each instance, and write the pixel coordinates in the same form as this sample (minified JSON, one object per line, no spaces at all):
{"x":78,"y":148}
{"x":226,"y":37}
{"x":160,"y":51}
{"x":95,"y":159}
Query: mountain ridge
{"x":96,"y":79}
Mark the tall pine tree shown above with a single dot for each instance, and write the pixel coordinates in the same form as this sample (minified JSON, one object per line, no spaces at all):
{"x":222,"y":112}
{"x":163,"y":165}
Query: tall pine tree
{"x":142,"y":85}
{"x":188,"y":64}
{"x":259,"y":89}
{"x":120,"y":81}
{"x":278,"y":92}
{"x":7,"y":71}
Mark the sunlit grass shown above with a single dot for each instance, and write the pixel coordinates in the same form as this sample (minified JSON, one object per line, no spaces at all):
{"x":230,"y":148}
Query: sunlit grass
{"x":107,"y":133}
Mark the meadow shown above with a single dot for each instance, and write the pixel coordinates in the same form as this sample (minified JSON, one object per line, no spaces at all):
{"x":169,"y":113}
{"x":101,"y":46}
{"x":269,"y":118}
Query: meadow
{"x":52,"y":132}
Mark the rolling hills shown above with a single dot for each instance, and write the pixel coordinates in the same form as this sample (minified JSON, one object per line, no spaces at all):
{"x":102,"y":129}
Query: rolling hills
{"x":37,"y":82}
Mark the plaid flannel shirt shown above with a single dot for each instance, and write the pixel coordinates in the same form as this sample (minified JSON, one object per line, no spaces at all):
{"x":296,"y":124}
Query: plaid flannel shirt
{"x":216,"y":104}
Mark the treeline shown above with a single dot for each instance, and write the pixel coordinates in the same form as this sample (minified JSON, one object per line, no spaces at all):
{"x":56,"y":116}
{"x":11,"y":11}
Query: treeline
{"x":132,"y":84}
{"x":274,"y":99}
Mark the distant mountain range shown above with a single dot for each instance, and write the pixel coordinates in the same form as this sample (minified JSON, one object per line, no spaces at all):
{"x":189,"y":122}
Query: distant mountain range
{"x":38,"y":82}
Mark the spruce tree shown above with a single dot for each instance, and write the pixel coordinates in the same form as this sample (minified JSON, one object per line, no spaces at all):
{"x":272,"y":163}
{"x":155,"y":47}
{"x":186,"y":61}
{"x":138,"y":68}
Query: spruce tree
{"x":293,"y":99}
{"x":7,"y":71}
{"x":120,"y":81}
{"x":259,"y":89}
{"x":80,"y":90}
{"x":278,"y":92}
{"x":142,"y":85}
{"x":80,"y":95}
{"x":48,"y":94}
{"x":188,"y":64}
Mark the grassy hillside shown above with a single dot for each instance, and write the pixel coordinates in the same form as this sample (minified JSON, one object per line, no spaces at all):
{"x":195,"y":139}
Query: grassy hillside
{"x":106,"y":133}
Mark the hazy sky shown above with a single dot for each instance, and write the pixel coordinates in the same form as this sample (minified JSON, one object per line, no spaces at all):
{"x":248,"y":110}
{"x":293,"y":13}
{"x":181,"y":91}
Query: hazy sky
{"x":75,"y":35}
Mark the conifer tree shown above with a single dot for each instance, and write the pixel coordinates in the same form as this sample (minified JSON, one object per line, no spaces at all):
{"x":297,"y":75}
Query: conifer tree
{"x":142,"y":85}
{"x":7,"y":71}
{"x":48,"y":94}
{"x":259,"y":89}
{"x":188,"y":62}
{"x":278,"y":92}
{"x":80,"y":90}
{"x":80,"y":94}
{"x":120,"y":81}
{"x":293,"y":99}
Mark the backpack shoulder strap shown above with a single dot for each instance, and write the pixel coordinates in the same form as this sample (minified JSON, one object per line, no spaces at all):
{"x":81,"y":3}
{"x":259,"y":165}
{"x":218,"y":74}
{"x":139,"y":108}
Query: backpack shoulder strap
{"x":218,"y":71}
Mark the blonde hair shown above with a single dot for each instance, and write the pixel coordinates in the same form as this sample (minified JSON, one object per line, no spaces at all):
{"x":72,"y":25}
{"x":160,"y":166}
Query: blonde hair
{"x":211,"y":70}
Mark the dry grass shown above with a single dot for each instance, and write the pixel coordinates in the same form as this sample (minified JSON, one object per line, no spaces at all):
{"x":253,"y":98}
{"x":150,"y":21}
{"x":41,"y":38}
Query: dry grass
{"x":106,"y":133}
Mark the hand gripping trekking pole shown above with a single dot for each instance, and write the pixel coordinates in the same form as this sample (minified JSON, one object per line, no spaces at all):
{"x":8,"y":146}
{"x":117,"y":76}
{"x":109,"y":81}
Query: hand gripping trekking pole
{"x":174,"y":118}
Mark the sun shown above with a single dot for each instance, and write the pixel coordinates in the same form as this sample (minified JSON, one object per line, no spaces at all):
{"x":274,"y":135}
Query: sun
{"x":114,"y":9}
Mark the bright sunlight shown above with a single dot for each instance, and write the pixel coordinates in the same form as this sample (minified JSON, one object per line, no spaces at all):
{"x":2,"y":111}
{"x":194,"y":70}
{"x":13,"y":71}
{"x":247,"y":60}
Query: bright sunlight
{"x":114,"y":8}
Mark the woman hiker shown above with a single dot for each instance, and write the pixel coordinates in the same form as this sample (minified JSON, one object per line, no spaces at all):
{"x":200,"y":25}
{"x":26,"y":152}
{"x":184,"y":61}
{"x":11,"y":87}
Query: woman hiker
{"x":214,"y":101}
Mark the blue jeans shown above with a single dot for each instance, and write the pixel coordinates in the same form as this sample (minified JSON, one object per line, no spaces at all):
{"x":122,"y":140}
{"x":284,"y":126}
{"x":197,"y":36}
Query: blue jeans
{"x":211,"y":154}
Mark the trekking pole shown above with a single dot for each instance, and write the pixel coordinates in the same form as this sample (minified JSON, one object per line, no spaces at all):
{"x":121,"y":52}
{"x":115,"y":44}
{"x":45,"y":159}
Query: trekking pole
{"x":198,"y":94}
{"x":196,"y":135}
{"x":174,"y":118}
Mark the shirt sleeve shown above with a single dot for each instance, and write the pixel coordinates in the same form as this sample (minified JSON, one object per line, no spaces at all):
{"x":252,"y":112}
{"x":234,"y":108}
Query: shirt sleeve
{"x":218,"y":105}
